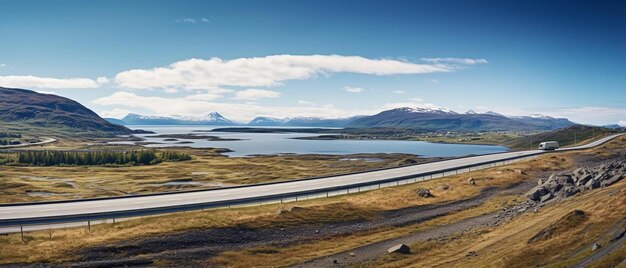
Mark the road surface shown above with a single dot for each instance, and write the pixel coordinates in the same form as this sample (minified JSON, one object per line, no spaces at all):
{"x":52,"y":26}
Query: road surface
{"x":45,"y":140}
{"x":45,"y":213}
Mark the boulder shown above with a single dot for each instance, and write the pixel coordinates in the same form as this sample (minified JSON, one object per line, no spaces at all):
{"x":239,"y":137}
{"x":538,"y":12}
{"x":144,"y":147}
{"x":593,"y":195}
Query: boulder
{"x":564,"y":179}
{"x":592,"y":184}
{"x":612,"y":180}
{"x":546,"y":197}
{"x":568,"y":191}
{"x":578,"y":170}
{"x":399,"y":248}
{"x":553,"y":186}
{"x":424,"y":192}
{"x":601,"y":176}
{"x":540,"y":182}
{"x":471,"y":181}
{"x":595,"y":247}
{"x":536,"y":193}
{"x":582,"y":180}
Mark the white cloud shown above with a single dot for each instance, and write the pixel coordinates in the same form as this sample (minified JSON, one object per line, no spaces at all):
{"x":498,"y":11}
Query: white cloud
{"x":205,"y":20}
{"x":114,"y":113}
{"x":353,"y":89}
{"x":416,"y":100}
{"x":412,"y":103}
{"x":29,"y":81}
{"x":203,"y":97}
{"x":2,"y":65}
{"x":303,"y":102}
{"x":185,"y":20}
{"x":235,"y":111}
{"x":399,"y":91}
{"x":466,"y":61}
{"x":102,"y":80}
{"x":265,"y":71}
{"x":622,"y":123}
{"x":255,"y":94}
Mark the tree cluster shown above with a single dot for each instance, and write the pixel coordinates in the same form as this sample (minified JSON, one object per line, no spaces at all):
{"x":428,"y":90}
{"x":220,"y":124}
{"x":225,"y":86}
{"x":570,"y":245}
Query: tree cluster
{"x":76,"y":158}
{"x":10,"y":135}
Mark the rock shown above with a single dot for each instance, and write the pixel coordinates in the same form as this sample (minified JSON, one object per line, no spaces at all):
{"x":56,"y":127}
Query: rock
{"x":612,"y":180}
{"x":568,"y":191}
{"x":553,"y":186}
{"x":399,"y":248}
{"x":578,"y":212}
{"x":471,"y":181}
{"x":564,"y":179}
{"x":578,"y":170}
{"x":536,"y":193}
{"x":583,"y":179}
{"x":519,"y":171}
{"x":335,"y":261}
{"x":595,"y":246}
{"x":443,"y":187}
{"x":592,"y":184}
{"x":424,"y":193}
{"x":352,"y":254}
{"x":540,"y":182}
{"x":546,"y":197}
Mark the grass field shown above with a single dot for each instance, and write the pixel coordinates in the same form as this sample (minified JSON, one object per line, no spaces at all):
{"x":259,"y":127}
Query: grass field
{"x":207,"y":169}
{"x":41,"y":248}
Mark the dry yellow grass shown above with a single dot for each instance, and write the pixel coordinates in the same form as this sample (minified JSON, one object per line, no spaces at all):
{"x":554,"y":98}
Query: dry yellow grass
{"x":40,"y":248}
{"x":206,"y":168}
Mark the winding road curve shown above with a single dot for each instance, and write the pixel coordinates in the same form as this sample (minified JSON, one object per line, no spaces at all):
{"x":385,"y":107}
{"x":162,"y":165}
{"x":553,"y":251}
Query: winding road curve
{"x":44,"y":213}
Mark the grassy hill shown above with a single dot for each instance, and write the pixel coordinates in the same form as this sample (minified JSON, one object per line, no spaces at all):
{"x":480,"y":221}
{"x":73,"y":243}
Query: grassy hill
{"x":565,"y":136}
{"x":28,"y":112}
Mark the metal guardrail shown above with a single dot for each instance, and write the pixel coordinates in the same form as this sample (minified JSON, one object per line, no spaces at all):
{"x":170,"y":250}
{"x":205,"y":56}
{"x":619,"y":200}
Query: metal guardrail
{"x":277,"y":198}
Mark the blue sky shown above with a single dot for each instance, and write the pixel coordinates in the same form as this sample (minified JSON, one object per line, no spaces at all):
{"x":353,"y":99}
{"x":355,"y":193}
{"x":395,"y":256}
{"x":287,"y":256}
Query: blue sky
{"x":321,"y":58}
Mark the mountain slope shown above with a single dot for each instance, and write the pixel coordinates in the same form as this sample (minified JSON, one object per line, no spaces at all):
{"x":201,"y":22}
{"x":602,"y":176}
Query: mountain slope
{"x":23,"y":110}
{"x":266,"y":121}
{"x":446,"y":120}
{"x":212,"y":118}
{"x":565,"y":136}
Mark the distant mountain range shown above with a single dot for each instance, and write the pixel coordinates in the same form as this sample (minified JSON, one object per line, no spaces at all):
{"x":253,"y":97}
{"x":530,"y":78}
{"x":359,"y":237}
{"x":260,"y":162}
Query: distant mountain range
{"x":217,"y":119}
{"x":24,"y":110}
{"x":434,"y":119}
{"x":213,"y":118}
{"x":428,"y":119}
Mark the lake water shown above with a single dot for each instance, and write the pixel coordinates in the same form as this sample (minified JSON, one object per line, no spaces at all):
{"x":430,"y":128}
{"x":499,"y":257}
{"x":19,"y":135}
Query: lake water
{"x":282,"y":143}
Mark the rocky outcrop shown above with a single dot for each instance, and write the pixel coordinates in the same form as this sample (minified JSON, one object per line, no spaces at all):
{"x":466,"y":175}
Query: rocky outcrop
{"x":566,"y":184}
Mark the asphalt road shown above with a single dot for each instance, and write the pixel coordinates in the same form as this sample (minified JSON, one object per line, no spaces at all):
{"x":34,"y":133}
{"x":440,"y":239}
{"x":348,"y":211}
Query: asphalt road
{"x":10,"y":215}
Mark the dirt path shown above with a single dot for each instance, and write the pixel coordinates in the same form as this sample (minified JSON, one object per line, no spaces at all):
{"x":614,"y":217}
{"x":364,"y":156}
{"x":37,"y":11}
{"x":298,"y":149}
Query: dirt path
{"x":190,"y":247}
{"x":618,"y":233}
{"x":371,"y":251}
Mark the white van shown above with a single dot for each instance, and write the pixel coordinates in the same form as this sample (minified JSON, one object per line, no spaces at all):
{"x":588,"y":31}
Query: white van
{"x":549,"y":145}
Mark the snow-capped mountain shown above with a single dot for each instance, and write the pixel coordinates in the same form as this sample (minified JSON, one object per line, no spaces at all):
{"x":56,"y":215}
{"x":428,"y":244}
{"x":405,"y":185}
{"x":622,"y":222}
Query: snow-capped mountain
{"x":425,"y":110}
{"x":266,"y":121}
{"x":212,"y":118}
{"x":441,"y":119}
